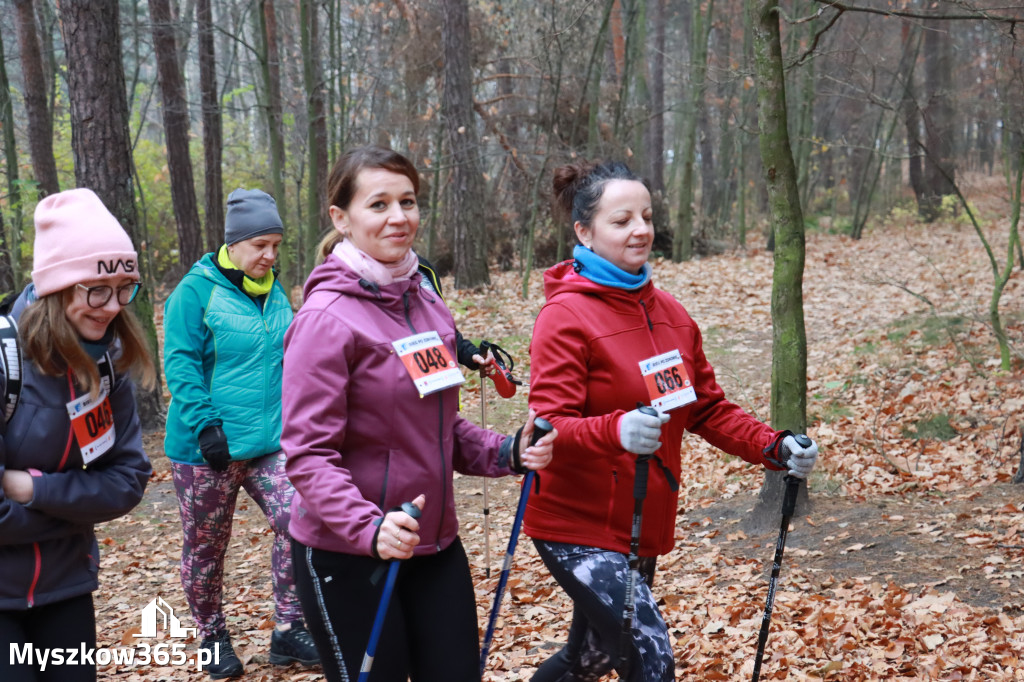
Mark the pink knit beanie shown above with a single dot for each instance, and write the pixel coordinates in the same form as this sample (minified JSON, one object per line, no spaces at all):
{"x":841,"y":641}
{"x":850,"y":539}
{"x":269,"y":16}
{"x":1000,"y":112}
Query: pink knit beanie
{"x":78,"y":240}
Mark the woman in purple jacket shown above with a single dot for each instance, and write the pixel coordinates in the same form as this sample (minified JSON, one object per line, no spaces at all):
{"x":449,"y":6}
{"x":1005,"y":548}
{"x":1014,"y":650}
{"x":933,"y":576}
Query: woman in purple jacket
{"x":71,"y":453}
{"x":370,"y":397}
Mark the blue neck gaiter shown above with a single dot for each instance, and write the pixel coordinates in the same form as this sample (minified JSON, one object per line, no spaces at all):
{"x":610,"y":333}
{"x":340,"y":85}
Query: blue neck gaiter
{"x":601,"y":271}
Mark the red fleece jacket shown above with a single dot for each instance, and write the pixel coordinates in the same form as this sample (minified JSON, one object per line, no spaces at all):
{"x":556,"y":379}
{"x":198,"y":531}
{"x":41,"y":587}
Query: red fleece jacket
{"x":587,"y":344}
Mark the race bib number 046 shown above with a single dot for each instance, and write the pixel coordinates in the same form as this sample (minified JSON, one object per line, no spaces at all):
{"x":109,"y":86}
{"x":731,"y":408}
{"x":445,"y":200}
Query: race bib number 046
{"x":93,"y":424}
{"x":428,"y":362}
{"x":667,"y":382}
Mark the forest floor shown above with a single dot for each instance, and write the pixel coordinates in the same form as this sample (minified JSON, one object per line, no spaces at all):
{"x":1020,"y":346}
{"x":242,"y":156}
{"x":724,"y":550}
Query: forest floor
{"x":908,"y":563}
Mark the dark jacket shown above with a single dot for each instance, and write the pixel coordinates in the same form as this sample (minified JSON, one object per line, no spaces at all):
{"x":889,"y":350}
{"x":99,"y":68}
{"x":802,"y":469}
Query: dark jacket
{"x":358,"y":437}
{"x":48,"y":549}
{"x":587,"y":344}
{"x":464,"y":348}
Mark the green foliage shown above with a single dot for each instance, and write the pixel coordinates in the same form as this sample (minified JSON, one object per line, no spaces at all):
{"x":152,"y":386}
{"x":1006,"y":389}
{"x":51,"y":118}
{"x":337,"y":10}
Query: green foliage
{"x":831,"y":404}
{"x":239,"y":92}
{"x":933,"y":427}
{"x":459,"y":306}
{"x":830,"y":412}
{"x":63,"y":155}
{"x":156,"y":212}
{"x":903,"y":213}
{"x":826,"y":222}
{"x":244,"y":164}
{"x":928,"y":330}
{"x":868,"y":348}
{"x":952,"y":209}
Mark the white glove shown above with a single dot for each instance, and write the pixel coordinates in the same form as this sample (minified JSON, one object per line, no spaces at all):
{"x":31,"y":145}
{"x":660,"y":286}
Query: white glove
{"x":639,"y":432}
{"x":798,"y":459}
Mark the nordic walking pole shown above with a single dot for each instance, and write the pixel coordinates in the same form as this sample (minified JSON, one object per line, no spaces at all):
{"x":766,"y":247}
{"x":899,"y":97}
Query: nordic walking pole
{"x":541,"y":427}
{"x":788,"y":507}
{"x":487,"y":503}
{"x":382,"y":608}
{"x":501,"y":375}
{"x":629,"y":603}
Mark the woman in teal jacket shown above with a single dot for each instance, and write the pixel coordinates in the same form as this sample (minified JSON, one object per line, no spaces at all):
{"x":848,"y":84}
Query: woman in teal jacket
{"x":224,"y":327}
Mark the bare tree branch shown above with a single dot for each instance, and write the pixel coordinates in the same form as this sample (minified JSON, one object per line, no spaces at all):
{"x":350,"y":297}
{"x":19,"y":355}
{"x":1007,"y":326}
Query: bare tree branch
{"x":973,"y":15}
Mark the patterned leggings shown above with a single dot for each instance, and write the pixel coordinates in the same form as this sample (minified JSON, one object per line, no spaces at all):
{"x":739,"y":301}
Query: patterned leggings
{"x":595,"y":579}
{"x":206,"y":500}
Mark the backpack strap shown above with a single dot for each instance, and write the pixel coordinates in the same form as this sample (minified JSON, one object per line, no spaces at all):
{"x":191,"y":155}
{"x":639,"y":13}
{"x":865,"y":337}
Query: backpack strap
{"x":10,"y":355}
{"x":106,"y":368}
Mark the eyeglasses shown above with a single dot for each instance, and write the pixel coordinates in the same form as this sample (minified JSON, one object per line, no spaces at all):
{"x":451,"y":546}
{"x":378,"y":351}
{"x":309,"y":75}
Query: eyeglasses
{"x":97,"y":297}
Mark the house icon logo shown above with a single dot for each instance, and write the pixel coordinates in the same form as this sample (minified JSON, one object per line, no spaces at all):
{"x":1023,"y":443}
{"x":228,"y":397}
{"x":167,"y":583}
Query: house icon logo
{"x":159,"y":613}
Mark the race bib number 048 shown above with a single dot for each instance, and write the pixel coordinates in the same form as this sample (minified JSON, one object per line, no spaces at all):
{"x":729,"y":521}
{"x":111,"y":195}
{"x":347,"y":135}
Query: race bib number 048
{"x":668,"y":384}
{"x":428,"y":362}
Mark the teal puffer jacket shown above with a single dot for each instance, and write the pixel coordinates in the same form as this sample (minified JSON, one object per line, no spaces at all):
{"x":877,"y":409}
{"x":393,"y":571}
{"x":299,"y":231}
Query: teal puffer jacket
{"x":222,"y":361}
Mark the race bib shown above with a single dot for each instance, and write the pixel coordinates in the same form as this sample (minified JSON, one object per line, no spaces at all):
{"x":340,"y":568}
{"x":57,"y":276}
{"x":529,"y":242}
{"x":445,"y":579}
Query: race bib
{"x":428,"y":362}
{"x":92,"y":420}
{"x":668,"y":384}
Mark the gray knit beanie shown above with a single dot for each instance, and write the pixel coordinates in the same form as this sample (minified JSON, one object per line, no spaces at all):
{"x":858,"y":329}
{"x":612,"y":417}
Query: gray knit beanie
{"x":251,"y":213}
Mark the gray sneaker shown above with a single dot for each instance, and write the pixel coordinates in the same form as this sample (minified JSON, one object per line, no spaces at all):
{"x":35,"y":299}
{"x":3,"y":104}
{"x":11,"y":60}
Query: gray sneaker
{"x":294,"y":645}
{"x":224,"y":662}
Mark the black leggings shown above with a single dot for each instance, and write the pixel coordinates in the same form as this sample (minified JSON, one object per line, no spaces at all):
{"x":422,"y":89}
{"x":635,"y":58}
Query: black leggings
{"x":430,"y":632}
{"x":68,"y":624}
{"x":596,"y":580}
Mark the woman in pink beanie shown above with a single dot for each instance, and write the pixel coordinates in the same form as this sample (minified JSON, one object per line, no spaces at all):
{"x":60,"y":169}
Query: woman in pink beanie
{"x":70,"y":441}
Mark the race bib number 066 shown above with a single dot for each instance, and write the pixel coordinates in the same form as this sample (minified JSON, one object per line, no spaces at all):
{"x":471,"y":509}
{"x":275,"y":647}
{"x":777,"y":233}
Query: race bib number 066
{"x":668,"y":384}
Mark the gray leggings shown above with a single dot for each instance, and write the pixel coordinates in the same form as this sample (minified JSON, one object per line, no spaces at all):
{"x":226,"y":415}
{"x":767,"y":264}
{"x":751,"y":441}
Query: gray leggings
{"x":595,"y":579}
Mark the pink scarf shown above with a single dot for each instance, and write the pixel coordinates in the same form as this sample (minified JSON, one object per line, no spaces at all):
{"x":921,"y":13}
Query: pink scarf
{"x":372,"y":269}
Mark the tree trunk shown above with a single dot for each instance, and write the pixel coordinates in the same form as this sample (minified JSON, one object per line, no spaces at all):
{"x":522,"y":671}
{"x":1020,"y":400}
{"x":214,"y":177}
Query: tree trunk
{"x":912,"y":118}
{"x":884,"y":132}
{"x":805,"y":127}
{"x":682,"y":244}
{"x":466,"y":205}
{"x":100,"y":141}
{"x":789,"y":341}
{"x":40,"y":120}
{"x":656,"y":128}
{"x":635,"y":37}
{"x":318,"y":219}
{"x":46,"y":20}
{"x":748,"y":112}
{"x":710,"y":192}
{"x":213,"y":136}
{"x":270,"y":67}
{"x":11,"y":252}
{"x":176,"y":132}
{"x":939,"y":120}
{"x":335,"y":102}
{"x":726,"y":174}
{"x":7,"y":281}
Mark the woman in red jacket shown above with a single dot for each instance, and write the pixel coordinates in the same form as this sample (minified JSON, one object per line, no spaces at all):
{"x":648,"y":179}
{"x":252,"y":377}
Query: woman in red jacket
{"x":607,"y":341}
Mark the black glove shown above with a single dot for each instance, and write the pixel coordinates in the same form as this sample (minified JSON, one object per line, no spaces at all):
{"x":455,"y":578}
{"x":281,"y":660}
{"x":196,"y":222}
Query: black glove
{"x":214,"y":446}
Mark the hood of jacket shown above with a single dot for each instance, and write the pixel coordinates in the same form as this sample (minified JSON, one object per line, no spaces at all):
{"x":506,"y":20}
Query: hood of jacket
{"x":334,"y":276}
{"x":563,"y":278}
